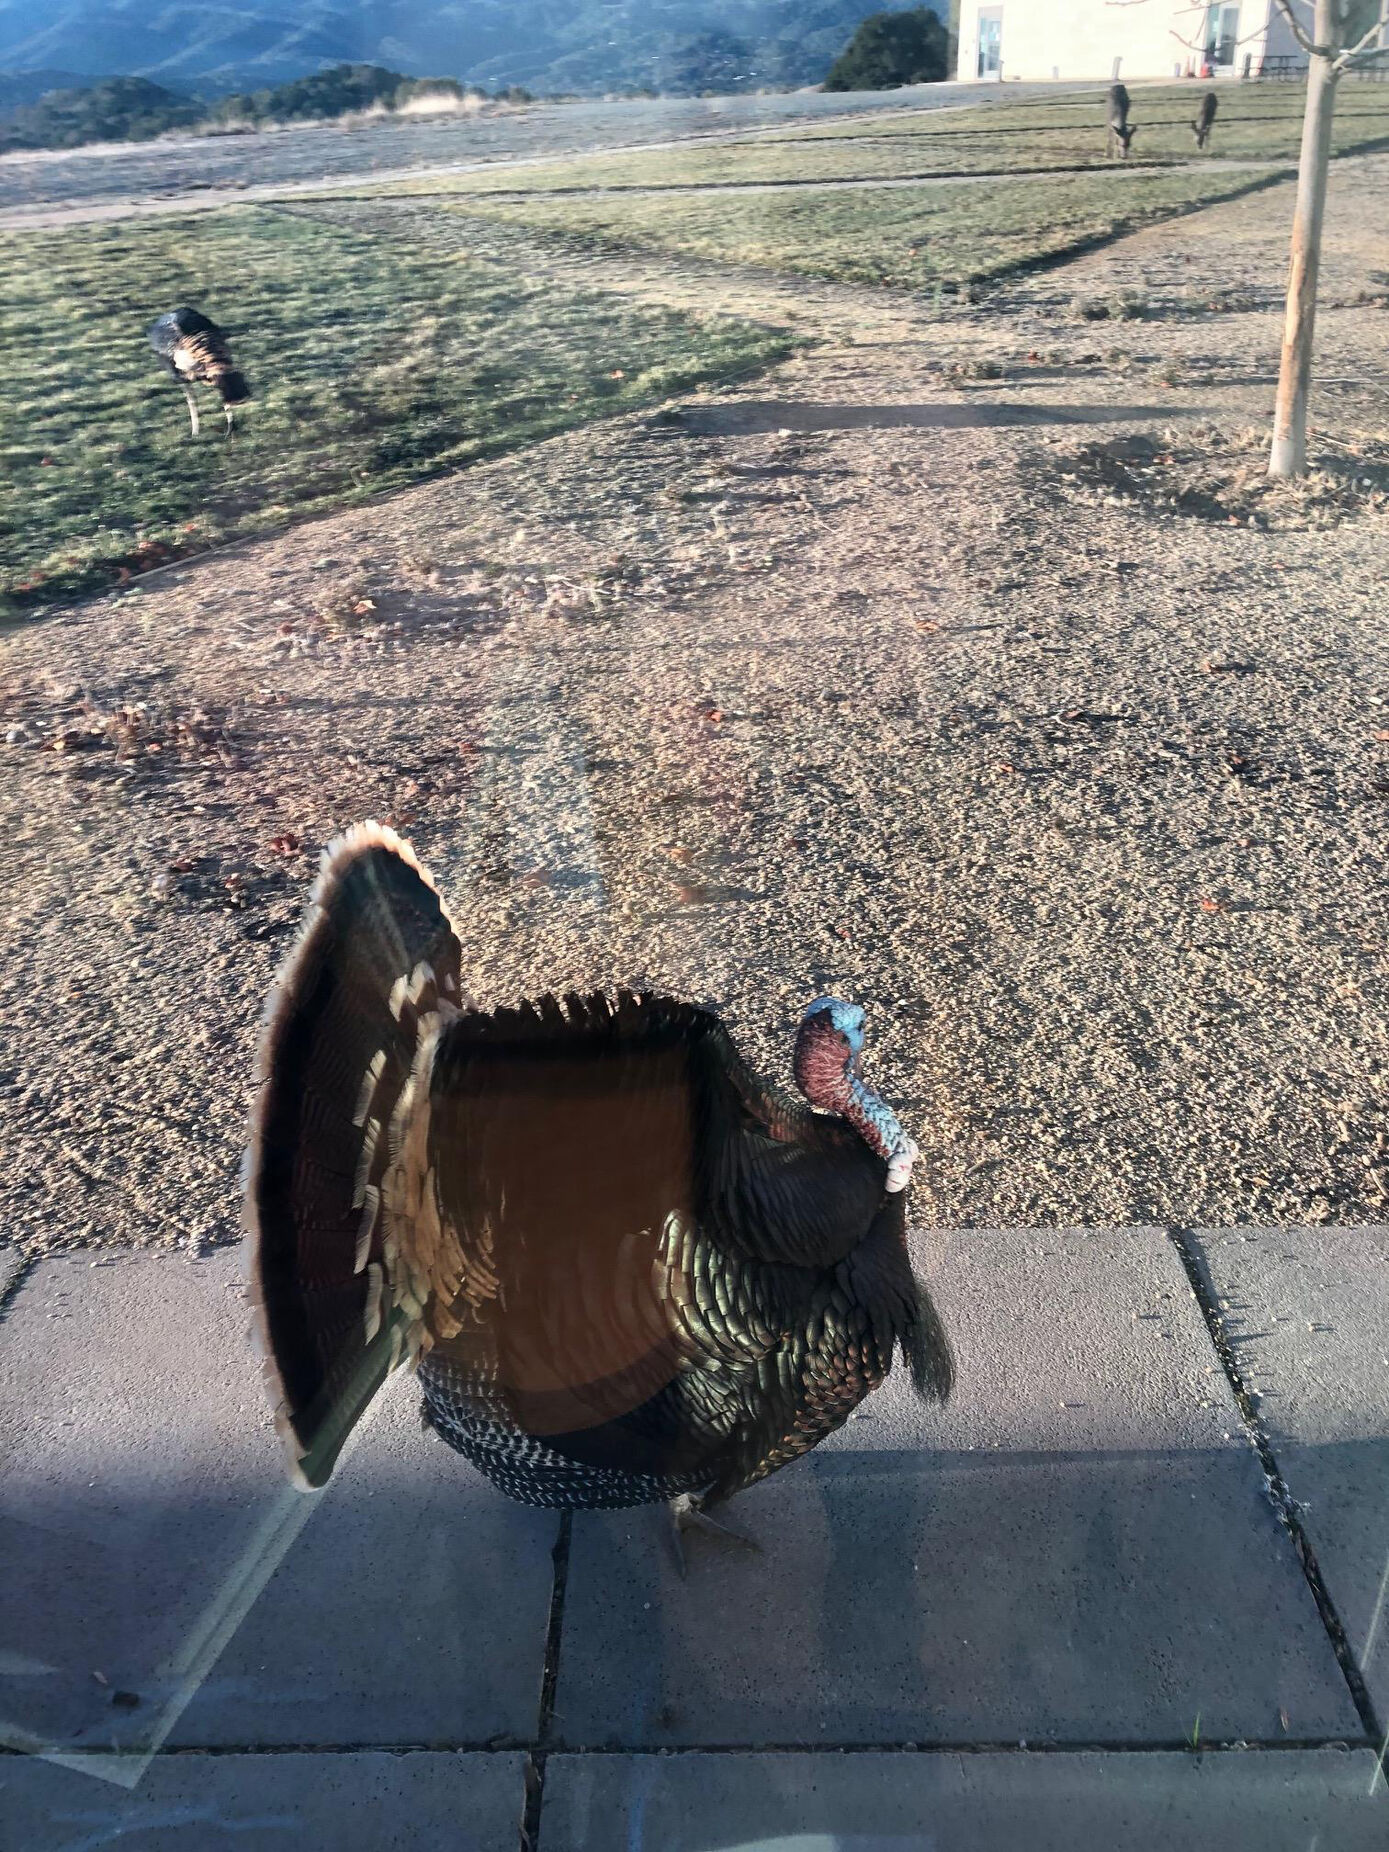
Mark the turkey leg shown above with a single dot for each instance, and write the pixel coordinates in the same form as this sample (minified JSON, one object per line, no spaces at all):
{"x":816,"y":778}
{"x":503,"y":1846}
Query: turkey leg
{"x":687,"y":1513}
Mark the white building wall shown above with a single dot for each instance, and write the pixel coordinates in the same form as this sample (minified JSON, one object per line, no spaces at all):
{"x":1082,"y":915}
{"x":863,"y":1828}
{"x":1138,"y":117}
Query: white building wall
{"x":1080,"y":40}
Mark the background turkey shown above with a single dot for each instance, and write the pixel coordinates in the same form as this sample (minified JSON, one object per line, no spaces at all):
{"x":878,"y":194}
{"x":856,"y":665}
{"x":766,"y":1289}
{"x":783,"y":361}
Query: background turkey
{"x":627,"y":1271}
{"x":1119,"y":135}
{"x":196,"y":353}
{"x":1205,"y":116}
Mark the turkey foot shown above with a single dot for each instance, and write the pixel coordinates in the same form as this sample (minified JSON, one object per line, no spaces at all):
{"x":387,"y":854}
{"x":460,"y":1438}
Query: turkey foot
{"x":687,"y":1513}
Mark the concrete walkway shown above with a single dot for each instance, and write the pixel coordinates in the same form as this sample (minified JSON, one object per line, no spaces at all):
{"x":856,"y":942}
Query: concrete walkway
{"x":1131,"y":1584}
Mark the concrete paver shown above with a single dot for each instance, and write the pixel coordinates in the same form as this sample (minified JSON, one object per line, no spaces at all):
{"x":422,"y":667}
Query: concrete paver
{"x":1269,"y":1801}
{"x":143,"y":1503}
{"x":1307,"y":1314}
{"x":270,"y":1803}
{"x":1079,"y":1550}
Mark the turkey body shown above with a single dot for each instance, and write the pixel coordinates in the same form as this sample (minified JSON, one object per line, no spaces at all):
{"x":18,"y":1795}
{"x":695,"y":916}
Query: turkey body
{"x":663,"y":1321}
{"x":195,"y":351}
{"x":626,"y":1270}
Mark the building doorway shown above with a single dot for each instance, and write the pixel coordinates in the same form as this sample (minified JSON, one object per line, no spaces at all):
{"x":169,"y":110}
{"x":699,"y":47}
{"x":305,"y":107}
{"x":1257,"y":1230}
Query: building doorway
{"x":1222,"y":33}
{"x":991,"y":41}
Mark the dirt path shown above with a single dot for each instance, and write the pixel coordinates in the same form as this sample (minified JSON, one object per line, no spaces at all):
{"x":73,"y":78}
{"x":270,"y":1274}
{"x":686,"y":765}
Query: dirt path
{"x":854,"y":678}
{"x":886,"y":183}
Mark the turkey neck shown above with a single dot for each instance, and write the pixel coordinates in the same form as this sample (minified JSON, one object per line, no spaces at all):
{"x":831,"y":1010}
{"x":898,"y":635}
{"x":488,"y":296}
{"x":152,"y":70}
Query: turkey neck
{"x":872,"y":1118}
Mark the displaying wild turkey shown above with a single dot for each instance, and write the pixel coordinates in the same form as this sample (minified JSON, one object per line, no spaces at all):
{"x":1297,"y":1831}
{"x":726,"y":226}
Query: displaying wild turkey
{"x":196,"y":353}
{"x":1201,"y":127}
{"x":626,"y":1271}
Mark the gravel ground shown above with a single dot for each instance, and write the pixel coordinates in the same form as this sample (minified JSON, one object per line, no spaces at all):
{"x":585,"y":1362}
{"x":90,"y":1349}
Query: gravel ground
{"x":856,"y":677}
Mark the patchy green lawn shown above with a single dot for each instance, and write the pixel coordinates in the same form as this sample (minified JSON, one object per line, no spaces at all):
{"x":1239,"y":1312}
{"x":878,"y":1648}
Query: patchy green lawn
{"x":979,"y":222}
{"x":1252,"y":124}
{"x":373,"y":364}
{"x":942,"y":235}
{"x":1252,"y":120}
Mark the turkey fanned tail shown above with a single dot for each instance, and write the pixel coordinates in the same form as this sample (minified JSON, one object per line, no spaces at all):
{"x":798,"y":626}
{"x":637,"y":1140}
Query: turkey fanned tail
{"x":373,"y":973}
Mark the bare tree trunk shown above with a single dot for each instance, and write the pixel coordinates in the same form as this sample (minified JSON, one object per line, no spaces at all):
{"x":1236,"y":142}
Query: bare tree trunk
{"x":1288,"y":456}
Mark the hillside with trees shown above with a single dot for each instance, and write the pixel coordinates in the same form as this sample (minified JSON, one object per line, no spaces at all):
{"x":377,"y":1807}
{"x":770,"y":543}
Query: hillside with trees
{"x":335,"y":92}
{"x":133,"y":109}
{"x":119,"y":109}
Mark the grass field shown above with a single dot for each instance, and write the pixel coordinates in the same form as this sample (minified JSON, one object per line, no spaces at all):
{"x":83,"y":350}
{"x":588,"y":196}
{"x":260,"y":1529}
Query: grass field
{"x":928,"y":237}
{"x":377,"y":360}
{"x":373,"y":363}
{"x":1251,"y":118}
{"x":915,"y":238}
{"x":1017,"y":137}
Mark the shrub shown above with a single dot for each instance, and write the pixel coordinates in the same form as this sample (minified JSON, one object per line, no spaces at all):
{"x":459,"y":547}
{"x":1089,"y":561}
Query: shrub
{"x":891,"y":49}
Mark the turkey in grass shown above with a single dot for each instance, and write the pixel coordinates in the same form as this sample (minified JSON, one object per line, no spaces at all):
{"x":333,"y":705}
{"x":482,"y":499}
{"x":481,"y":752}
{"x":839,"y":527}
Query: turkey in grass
{"x":196,"y":353}
{"x":626,"y":1271}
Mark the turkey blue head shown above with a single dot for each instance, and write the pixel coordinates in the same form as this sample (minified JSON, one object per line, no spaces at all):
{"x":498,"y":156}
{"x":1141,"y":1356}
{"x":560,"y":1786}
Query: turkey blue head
{"x":826,"y":1066}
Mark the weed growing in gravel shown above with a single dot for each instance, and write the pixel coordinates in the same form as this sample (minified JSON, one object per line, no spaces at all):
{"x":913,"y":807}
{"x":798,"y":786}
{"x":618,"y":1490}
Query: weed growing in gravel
{"x":1088,"y":309}
{"x":374,"y":362}
{"x":1211,"y":475}
{"x":341,"y":604}
{"x":1125,"y":305}
{"x":130,"y":734}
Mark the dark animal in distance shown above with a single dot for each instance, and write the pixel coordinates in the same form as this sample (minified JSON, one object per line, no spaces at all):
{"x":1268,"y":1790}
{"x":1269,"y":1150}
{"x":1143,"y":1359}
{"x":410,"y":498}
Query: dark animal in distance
{"x":1201,"y":127}
{"x":1117,"y":117}
{"x":196,"y":353}
{"x":625,"y":1271}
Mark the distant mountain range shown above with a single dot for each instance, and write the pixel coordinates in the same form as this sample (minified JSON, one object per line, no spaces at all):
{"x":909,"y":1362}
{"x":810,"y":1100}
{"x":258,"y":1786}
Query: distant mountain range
{"x":584,"y":46}
{"x":29,"y":86}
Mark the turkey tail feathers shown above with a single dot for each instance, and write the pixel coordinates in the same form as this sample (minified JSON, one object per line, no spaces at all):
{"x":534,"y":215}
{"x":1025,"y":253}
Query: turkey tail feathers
{"x":926,"y":1350}
{"x":375,"y":967}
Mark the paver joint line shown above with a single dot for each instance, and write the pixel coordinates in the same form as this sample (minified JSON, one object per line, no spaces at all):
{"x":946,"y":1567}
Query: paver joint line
{"x":1283,"y":1745}
{"x":535,"y":1760}
{"x":1284,"y":1504}
{"x":1115,"y":1746}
